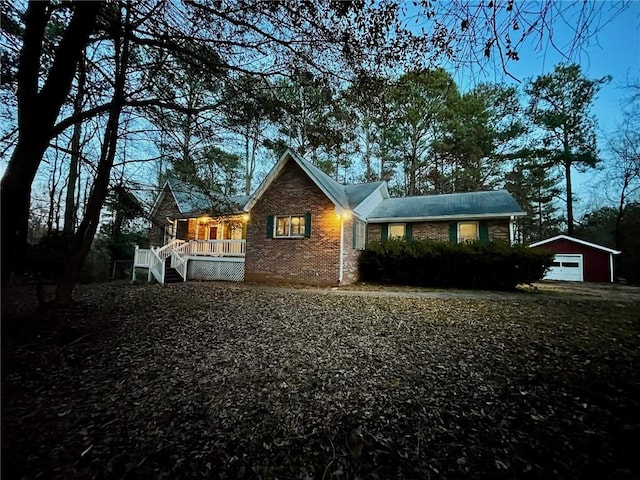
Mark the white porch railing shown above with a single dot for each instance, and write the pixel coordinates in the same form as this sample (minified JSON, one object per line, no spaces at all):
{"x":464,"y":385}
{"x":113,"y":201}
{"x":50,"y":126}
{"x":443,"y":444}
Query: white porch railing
{"x":180,"y":264}
{"x":156,"y":267}
{"x":179,"y":251}
{"x":218,"y":248}
{"x":142,"y":257}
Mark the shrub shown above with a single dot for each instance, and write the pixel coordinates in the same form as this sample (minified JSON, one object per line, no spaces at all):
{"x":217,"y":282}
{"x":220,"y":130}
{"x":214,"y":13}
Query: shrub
{"x":492,"y":265}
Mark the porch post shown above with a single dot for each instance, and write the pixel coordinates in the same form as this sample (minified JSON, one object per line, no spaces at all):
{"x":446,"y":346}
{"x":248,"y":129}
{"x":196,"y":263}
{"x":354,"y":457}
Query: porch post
{"x":135,"y":258}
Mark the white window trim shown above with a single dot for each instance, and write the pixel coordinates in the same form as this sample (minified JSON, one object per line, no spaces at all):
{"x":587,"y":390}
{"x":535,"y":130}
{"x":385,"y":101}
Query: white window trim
{"x":275,"y":226}
{"x":363,"y":237}
{"x":477,"y":231}
{"x":404,"y":226}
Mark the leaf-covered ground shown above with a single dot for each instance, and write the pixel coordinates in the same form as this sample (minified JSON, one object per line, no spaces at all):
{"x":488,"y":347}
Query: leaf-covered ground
{"x":234,"y":381}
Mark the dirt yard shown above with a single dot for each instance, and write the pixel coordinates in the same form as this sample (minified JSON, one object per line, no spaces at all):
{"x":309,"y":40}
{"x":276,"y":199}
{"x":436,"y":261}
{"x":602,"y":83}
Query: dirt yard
{"x":217,"y":380}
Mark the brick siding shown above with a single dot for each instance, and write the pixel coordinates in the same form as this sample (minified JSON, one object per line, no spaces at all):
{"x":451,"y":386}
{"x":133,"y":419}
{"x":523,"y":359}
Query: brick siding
{"x":439,"y":231}
{"x":350,"y":256}
{"x":313,"y":260}
{"x":167,"y":208}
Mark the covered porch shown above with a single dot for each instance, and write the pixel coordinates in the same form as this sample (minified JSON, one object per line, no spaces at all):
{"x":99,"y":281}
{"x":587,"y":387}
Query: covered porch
{"x":200,"y":247}
{"x":205,"y":229}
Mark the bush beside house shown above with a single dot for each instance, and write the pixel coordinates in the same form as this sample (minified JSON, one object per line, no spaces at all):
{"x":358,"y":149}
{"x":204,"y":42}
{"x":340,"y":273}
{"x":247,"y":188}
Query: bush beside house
{"x":492,"y":265}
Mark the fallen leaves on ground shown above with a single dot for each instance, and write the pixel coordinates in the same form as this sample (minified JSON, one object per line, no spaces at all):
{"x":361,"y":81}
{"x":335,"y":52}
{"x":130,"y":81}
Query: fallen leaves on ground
{"x":232,"y":381}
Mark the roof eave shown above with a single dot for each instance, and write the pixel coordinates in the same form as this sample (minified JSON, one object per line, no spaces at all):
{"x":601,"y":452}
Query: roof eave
{"x":376,"y":190}
{"x":319,"y":184}
{"x":432,"y":218}
{"x":576,"y":240}
{"x":275,"y":171}
{"x":160,"y":198}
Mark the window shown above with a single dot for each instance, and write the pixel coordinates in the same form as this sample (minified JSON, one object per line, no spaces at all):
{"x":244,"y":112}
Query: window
{"x":397,"y":230}
{"x":467,"y":232}
{"x":359,"y":234}
{"x":290,"y":226}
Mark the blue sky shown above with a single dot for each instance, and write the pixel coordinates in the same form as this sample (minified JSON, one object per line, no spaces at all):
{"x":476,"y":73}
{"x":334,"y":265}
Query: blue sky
{"x":614,"y":50}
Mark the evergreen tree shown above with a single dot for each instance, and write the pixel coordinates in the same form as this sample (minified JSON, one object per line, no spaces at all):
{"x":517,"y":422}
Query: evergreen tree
{"x":559,"y":105}
{"x":537,"y":192}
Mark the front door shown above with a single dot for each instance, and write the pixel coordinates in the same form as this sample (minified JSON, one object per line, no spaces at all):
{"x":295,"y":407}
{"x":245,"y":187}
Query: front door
{"x":213,"y":233}
{"x":182,"y":232}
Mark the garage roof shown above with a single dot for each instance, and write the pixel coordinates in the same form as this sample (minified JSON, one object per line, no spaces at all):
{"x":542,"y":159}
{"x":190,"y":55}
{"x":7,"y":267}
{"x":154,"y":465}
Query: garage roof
{"x":576,"y":240}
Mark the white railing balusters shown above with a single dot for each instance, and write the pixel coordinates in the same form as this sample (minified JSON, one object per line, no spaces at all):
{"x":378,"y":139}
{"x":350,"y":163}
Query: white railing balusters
{"x":217,"y":248}
{"x":156,"y":266}
{"x":180,"y":264}
{"x":179,"y":251}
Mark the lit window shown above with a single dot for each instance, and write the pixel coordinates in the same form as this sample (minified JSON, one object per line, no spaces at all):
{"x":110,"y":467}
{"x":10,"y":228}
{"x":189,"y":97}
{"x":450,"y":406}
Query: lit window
{"x":290,"y":226}
{"x":467,"y":232}
{"x":360,"y":234}
{"x":397,"y":230}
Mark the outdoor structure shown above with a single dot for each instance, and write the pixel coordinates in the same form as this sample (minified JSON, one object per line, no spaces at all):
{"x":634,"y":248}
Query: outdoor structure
{"x":302,"y":226}
{"x":194,"y":235}
{"x":577,"y":260}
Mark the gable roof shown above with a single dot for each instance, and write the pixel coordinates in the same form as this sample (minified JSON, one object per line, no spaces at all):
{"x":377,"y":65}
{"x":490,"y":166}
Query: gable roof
{"x":576,"y":240}
{"x":492,"y":204}
{"x":356,"y":194}
{"x":343,"y":197}
{"x":191,"y":200}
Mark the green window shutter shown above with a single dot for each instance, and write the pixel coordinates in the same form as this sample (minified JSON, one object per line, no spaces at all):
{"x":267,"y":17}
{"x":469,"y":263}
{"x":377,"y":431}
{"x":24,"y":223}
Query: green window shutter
{"x":244,"y":230}
{"x":384,"y":234}
{"x":453,"y":232}
{"x":484,"y":232}
{"x":269,"y":226}
{"x":408,"y":231}
{"x":307,"y":224}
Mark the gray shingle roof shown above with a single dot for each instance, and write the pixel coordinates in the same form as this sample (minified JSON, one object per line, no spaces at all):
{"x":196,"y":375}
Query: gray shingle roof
{"x":345,"y":196}
{"x":192,"y":200}
{"x":358,"y":193}
{"x":495,"y":203}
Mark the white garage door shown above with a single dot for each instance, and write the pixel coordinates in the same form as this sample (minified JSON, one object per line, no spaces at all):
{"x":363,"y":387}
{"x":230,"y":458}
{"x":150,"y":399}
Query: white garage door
{"x":566,"y":267}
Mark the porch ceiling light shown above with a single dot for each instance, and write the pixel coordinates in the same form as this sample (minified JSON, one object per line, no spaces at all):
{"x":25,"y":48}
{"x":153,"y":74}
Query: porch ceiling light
{"x":245,"y":217}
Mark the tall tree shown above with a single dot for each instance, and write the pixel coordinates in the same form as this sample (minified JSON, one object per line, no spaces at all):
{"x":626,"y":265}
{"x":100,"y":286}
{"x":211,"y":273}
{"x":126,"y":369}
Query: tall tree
{"x":366,"y":97}
{"x":622,"y":173}
{"x":536,"y":191}
{"x":560,"y":105}
{"x":249,"y":106}
{"x":482,"y":129}
{"x":39,"y":102}
{"x":83,"y":238}
{"x":74,"y":164}
{"x":418,"y":101}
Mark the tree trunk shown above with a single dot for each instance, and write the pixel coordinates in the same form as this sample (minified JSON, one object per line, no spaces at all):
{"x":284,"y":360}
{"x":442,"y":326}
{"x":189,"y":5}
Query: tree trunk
{"x":86,"y":231}
{"x":620,"y":212}
{"x":37,"y":113}
{"x":567,"y":172}
{"x":70,"y":205}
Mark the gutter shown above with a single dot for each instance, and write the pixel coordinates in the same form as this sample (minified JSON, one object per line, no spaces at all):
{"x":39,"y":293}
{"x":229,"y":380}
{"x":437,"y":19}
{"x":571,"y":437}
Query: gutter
{"x":341,"y":250}
{"x":446,"y":217}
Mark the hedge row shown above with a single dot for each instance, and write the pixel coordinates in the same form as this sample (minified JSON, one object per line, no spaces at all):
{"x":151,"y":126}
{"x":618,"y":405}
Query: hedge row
{"x":492,"y":265}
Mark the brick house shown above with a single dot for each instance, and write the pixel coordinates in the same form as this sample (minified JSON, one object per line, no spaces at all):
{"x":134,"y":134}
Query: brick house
{"x":184,"y":212}
{"x":301,"y":226}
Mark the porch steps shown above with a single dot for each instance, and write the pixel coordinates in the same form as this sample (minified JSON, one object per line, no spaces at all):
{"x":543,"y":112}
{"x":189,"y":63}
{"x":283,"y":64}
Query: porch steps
{"x":171,"y":275}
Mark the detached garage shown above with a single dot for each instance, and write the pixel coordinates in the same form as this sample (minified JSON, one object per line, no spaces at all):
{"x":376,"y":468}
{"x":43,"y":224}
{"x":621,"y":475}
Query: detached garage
{"x":577,"y":260}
